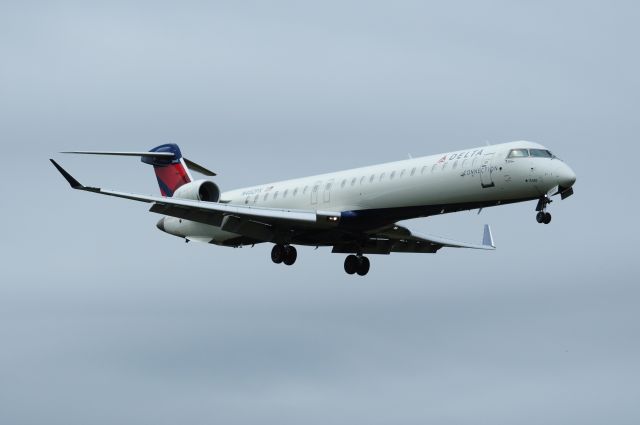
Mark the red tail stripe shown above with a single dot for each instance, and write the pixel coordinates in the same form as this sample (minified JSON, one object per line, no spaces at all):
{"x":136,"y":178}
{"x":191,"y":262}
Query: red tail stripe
{"x":171,"y":177}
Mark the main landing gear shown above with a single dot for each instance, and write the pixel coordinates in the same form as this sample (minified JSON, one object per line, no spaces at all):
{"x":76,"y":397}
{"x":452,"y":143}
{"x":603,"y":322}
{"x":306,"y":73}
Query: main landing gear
{"x":357,"y":264}
{"x":353,"y":264}
{"x":543,"y":216}
{"x":286,"y":254}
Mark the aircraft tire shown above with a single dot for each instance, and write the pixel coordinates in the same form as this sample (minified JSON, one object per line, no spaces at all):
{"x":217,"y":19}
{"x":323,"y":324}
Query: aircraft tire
{"x":547,"y":218}
{"x":540,"y":217}
{"x":363,"y":266}
{"x":351,"y":264}
{"x":290,"y":255}
{"x":277,"y":254}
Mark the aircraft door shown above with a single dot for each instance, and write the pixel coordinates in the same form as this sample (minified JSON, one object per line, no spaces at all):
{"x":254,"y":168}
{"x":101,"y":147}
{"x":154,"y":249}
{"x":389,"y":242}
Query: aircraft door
{"x":487,"y":170}
{"x":326,"y":196}
{"x":314,"y":192}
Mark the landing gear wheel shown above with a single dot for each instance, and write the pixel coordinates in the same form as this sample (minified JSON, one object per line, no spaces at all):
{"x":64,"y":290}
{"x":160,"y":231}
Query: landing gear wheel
{"x":277,"y":254}
{"x":543,"y":216}
{"x":290,"y":255}
{"x":363,"y":266}
{"x":351,"y":264}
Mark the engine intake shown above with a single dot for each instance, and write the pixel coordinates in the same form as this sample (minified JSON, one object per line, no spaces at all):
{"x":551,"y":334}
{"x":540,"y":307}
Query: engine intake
{"x":199,"y":190}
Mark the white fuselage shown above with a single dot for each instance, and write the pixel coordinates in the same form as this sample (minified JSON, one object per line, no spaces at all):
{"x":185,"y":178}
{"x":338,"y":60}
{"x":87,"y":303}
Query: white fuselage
{"x":469,"y":177}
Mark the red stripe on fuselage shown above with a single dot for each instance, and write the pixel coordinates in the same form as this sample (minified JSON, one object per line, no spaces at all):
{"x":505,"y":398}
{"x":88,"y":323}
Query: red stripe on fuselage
{"x":171,"y":177}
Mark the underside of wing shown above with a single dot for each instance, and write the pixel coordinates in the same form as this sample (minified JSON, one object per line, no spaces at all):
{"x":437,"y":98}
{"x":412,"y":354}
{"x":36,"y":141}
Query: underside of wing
{"x":400,"y":239}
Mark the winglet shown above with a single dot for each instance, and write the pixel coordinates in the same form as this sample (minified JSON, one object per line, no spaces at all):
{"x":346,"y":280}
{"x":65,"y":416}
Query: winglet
{"x":73,"y":182}
{"x":199,"y":168}
{"x":487,"y":237}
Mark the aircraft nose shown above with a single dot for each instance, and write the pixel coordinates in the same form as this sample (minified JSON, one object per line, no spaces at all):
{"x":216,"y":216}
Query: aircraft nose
{"x":160,"y":224}
{"x":566,"y":176}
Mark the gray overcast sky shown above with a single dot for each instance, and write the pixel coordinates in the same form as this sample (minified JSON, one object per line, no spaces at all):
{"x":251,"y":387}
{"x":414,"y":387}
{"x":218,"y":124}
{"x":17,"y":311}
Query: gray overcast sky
{"x":104,"y":319}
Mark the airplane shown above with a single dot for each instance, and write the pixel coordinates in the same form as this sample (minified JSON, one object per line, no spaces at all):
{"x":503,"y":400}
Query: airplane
{"x":356,"y":212}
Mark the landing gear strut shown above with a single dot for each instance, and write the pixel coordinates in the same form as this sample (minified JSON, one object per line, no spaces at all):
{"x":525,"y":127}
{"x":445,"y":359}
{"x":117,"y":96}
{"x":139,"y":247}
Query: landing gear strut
{"x":286,"y":254}
{"x":357,"y":264}
{"x":543,"y":216}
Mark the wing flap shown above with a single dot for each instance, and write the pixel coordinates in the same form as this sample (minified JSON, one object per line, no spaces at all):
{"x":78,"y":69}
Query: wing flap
{"x":404,"y":240}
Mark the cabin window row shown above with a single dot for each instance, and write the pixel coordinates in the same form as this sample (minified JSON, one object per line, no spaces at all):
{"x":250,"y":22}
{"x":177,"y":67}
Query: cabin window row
{"x":354,"y":180}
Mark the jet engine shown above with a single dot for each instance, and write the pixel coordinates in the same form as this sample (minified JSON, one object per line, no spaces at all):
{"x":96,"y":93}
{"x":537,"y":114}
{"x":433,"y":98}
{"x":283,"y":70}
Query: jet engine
{"x":199,"y":190}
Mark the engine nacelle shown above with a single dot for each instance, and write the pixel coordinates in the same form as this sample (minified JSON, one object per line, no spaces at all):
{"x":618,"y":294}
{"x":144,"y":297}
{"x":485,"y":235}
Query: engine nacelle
{"x":199,"y":190}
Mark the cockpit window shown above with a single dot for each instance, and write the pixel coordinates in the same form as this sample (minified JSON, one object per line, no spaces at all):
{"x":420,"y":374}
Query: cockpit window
{"x":541,"y":153}
{"x":518,"y":153}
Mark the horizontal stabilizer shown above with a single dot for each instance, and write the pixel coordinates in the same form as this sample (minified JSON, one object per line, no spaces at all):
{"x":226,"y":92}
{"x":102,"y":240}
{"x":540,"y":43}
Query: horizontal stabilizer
{"x":159,"y":155}
{"x":149,"y":154}
{"x":198,"y":168}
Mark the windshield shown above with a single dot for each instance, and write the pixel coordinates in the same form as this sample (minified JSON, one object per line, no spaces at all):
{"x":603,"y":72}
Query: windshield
{"x":523,"y":153}
{"x":541,"y":153}
{"x":518,"y":153}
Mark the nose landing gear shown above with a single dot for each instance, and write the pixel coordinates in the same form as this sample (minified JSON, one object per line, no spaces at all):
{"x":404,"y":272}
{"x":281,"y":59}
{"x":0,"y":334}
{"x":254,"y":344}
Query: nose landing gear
{"x":543,"y":216}
{"x":286,"y":254}
{"x":357,"y":264}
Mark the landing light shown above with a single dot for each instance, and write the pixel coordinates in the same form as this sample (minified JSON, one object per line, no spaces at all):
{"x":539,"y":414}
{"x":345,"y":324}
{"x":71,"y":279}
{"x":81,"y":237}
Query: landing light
{"x":333,"y":219}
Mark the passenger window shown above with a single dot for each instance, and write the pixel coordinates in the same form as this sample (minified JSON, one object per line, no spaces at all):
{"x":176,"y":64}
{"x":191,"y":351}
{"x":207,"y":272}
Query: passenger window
{"x":402,"y":173}
{"x":455,"y":165}
{"x":304,"y":191}
{"x":353,"y":181}
{"x":518,"y":153}
{"x":284,"y":195}
{"x":373,"y":176}
{"x":246,"y":200}
{"x":423,"y":169}
{"x":434,"y":167}
{"x":413,"y":171}
{"x":382,"y":176}
{"x":393,"y":174}
{"x":362,"y":180}
{"x":295,"y":191}
{"x":275,"y":195}
{"x":328,"y":186}
{"x":444,"y":166}
{"x":255,"y":200}
{"x":343,"y":184}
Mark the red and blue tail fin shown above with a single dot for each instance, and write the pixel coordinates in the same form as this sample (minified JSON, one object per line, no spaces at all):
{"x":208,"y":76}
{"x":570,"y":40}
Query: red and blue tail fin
{"x":171,"y":171}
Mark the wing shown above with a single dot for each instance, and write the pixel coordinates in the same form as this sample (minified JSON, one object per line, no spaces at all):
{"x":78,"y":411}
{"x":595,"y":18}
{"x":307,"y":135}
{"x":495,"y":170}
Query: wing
{"x":400,"y":239}
{"x":253,"y":221}
{"x":264,"y":224}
